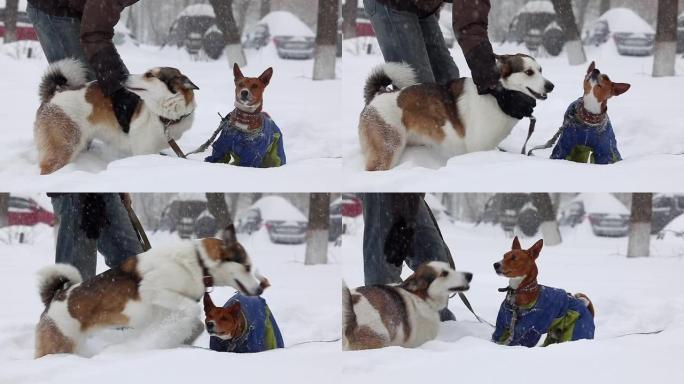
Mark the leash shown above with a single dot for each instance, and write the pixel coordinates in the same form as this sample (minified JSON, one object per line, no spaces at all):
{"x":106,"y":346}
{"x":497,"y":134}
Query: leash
{"x":314,"y":341}
{"x":139,"y":230}
{"x":206,"y":144}
{"x":172,"y":143}
{"x":530,"y":131}
{"x":466,"y":302}
{"x":548,"y":144}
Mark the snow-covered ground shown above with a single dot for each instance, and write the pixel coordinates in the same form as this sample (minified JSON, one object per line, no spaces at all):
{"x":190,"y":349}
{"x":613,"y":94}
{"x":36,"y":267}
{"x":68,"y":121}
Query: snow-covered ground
{"x":305,"y":301}
{"x":648,"y":122}
{"x":306,"y":111}
{"x":630,"y":295}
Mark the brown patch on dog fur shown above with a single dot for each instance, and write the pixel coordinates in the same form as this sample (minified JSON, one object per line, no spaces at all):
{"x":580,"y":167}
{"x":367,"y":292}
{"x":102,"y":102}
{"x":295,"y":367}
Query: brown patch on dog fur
{"x":511,"y":64}
{"x":103,"y":111}
{"x":101,"y":300}
{"x":219,"y":250}
{"x":49,"y":339}
{"x":590,"y":307}
{"x":382,"y":141}
{"x":390,"y":305}
{"x":419,"y":282}
{"x":57,"y":137}
{"x":427,"y":107}
{"x":175,"y":81}
{"x":365,"y":338}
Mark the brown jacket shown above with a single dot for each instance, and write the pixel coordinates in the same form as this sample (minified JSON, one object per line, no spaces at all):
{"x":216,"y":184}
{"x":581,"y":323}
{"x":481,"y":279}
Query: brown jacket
{"x":98,"y":18}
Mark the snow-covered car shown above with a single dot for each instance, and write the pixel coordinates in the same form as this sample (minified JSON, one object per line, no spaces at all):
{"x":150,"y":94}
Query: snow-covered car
{"x":680,"y":33}
{"x":535,"y":24}
{"x":632,"y":35}
{"x":674,"y":228}
{"x":180,"y":215}
{"x":606,"y":215}
{"x":291,"y":37}
{"x":25,"y":30}
{"x":26,"y":211}
{"x":282,"y":220}
{"x":190,"y":26}
{"x":511,"y":210}
{"x":665,"y":208}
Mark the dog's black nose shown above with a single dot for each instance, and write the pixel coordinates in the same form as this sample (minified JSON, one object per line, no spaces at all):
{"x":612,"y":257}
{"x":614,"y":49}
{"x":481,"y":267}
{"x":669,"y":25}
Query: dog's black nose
{"x":210,"y":327}
{"x":468,"y":276}
{"x":497,"y":265}
{"x":244,"y":94}
{"x":549,"y":86}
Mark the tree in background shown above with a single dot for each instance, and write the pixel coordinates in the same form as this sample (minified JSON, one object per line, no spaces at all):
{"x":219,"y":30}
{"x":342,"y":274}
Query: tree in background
{"x":604,"y":6}
{"x":265,"y":8}
{"x":349,"y":10}
{"x":319,"y":222}
{"x":4,"y":209}
{"x":326,"y":40}
{"x":11,"y":10}
{"x":640,"y":225}
{"x":573,"y":44}
{"x":547,"y":216}
{"x":225,"y":21}
{"x":666,"y":39}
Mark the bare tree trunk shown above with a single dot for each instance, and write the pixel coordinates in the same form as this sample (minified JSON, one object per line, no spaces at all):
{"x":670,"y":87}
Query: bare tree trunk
{"x":225,"y":21}
{"x":319,"y":222}
{"x":604,"y":6}
{"x":582,"y":7}
{"x":666,"y":39}
{"x":549,"y":224}
{"x":256,"y":196}
{"x":4,"y":209}
{"x":573,"y":43}
{"x":265,"y":8}
{"x":217,"y":206}
{"x":349,"y":10}
{"x":640,"y":225}
{"x":11,"y":10}
{"x":326,"y":40}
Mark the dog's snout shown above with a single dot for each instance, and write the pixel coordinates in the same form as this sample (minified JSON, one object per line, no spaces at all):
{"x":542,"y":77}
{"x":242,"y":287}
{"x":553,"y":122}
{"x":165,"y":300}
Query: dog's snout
{"x":549,"y":86}
{"x":244,"y":93}
{"x":211,"y":327}
{"x":468,"y":276}
{"x":497,"y":266}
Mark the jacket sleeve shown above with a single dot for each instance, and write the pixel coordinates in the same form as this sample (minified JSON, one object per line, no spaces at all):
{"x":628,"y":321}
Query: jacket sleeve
{"x":405,"y":206}
{"x":97,"y":30}
{"x":470,"y":22}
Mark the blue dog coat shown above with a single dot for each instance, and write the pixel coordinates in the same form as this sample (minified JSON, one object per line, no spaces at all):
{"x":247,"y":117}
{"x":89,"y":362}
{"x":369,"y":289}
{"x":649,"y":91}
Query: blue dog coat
{"x":578,"y":138}
{"x":262,"y":330}
{"x":260,"y":149}
{"x":562,"y":316}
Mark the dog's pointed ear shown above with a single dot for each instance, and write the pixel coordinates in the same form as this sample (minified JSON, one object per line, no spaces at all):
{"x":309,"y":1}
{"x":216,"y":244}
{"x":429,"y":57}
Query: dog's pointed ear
{"x":535,"y":250}
{"x":592,"y":67}
{"x":234,"y":308}
{"x":229,"y":237}
{"x":237,"y":72}
{"x":516,"y":244}
{"x":188,"y":84}
{"x":416,"y":283}
{"x":208,"y":304}
{"x":620,"y":88}
{"x":505,"y":67}
{"x":266,"y":76}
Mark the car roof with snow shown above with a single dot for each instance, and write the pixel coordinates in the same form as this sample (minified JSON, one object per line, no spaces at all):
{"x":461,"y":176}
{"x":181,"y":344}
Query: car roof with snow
{"x":625,"y":20}
{"x":197,"y":10}
{"x":282,"y":23}
{"x":277,"y":208}
{"x":537,"y":7}
{"x":600,"y":203}
{"x":676,"y":225}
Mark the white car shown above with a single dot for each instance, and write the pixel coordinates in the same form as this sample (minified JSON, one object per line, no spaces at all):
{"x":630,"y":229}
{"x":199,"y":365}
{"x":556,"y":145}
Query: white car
{"x":606,"y":215}
{"x":282,"y":220}
{"x":632,"y":35}
{"x":291,"y":37}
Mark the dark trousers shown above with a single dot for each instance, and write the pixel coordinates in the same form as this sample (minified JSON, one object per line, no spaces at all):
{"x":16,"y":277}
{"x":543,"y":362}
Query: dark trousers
{"x":405,"y":37}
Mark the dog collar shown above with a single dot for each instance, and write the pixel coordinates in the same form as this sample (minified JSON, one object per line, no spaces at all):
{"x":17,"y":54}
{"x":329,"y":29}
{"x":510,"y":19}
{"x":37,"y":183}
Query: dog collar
{"x":207,"y":278}
{"x":168,"y":122}
{"x":250,"y":120}
{"x":590,"y":118}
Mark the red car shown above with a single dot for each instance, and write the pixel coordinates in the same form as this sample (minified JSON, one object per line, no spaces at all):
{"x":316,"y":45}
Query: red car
{"x":25,"y":29}
{"x":351,"y":206}
{"x":25,"y":211}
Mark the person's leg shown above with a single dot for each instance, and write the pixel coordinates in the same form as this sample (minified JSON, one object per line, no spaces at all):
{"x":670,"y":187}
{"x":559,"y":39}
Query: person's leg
{"x":73,"y":247}
{"x":443,"y":66}
{"x":60,"y":37}
{"x":118,"y":239}
{"x":400,"y":37}
{"x":377,"y":224}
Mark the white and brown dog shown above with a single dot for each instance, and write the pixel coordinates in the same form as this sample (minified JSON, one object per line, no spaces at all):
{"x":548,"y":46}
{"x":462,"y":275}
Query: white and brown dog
{"x":404,"y":315}
{"x":73,"y":113}
{"x":155,"y":293}
{"x":454,"y":118}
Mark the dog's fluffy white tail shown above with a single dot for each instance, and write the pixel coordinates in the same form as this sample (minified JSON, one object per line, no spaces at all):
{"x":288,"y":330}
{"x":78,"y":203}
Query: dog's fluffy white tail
{"x":61,"y":75}
{"x":55,"y":278}
{"x":399,"y":75}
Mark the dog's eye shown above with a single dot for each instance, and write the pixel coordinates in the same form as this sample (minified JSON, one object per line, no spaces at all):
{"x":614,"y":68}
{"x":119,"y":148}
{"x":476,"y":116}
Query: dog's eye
{"x":148,"y":75}
{"x":445,"y":273}
{"x":529,"y":72}
{"x":248,"y":268}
